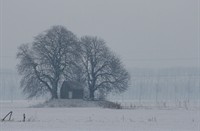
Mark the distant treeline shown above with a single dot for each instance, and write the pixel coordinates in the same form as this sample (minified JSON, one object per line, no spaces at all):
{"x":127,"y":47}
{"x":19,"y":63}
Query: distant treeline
{"x":178,"y":84}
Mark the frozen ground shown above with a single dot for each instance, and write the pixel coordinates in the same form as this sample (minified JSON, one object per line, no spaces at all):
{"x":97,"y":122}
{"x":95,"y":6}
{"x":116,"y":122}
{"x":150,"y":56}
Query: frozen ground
{"x":97,"y":119}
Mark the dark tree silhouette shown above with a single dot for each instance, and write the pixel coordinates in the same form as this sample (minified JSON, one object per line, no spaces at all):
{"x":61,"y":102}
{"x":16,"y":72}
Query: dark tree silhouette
{"x":43,"y":62}
{"x":104,"y":71}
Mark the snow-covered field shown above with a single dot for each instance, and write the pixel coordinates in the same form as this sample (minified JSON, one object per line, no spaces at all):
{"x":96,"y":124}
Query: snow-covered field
{"x":97,"y":119}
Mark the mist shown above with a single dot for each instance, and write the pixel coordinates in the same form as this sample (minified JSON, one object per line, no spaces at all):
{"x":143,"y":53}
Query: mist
{"x":149,"y":35}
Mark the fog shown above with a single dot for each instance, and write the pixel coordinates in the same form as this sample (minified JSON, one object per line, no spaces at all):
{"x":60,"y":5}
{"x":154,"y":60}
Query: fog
{"x":145,"y":34}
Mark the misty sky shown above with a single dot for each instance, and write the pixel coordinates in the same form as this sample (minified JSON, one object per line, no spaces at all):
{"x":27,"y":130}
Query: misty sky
{"x":144,"y":33}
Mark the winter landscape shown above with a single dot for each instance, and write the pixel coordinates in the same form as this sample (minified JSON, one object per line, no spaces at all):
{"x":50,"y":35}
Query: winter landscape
{"x":100,"y":119}
{"x":99,"y":65}
{"x":179,"y":112}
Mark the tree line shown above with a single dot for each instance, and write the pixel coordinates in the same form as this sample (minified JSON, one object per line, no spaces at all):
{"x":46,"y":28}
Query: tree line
{"x":57,"y":55}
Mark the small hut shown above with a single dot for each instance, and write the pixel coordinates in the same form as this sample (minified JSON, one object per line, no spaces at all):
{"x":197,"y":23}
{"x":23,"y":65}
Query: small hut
{"x":71,"y":90}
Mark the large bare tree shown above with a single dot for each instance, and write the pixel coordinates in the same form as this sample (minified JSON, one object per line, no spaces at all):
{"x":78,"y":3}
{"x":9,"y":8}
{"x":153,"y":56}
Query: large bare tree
{"x":43,"y":62}
{"x":104,"y":71}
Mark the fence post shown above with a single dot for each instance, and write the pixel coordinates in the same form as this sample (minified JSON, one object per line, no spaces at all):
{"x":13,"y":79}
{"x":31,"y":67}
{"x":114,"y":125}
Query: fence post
{"x":24,"y":117}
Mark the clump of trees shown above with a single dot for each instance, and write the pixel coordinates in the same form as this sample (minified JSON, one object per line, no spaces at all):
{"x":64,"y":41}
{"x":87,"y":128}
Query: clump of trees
{"x":57,"y":55}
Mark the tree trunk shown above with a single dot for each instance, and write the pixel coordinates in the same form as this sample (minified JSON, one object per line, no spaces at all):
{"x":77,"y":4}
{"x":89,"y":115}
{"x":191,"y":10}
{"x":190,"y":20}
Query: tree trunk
{"x":91,"y":94}
{"x":54,"y":93}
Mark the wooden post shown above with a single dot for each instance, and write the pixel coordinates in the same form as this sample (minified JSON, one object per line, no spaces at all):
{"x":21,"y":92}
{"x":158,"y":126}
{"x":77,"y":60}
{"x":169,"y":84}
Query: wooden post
{"x":24,"y":117}
{"x":10,"y":115}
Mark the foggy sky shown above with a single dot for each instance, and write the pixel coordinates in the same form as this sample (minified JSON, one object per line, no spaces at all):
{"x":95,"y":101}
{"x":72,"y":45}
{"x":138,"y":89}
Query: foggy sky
{"x":144,"y":33}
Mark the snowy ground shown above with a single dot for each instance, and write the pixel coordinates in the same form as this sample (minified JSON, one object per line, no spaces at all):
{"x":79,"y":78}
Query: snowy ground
{"x":97,"y":119}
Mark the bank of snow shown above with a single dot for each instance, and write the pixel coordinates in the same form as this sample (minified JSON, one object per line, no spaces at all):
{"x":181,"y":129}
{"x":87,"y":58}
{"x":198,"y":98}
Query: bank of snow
{"x":97,"y":119}
{"x":61,"y":103}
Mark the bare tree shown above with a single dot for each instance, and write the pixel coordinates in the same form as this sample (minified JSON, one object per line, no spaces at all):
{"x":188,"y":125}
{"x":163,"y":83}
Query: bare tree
{"x":104,"y":71}
{"x":43,"y":62}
